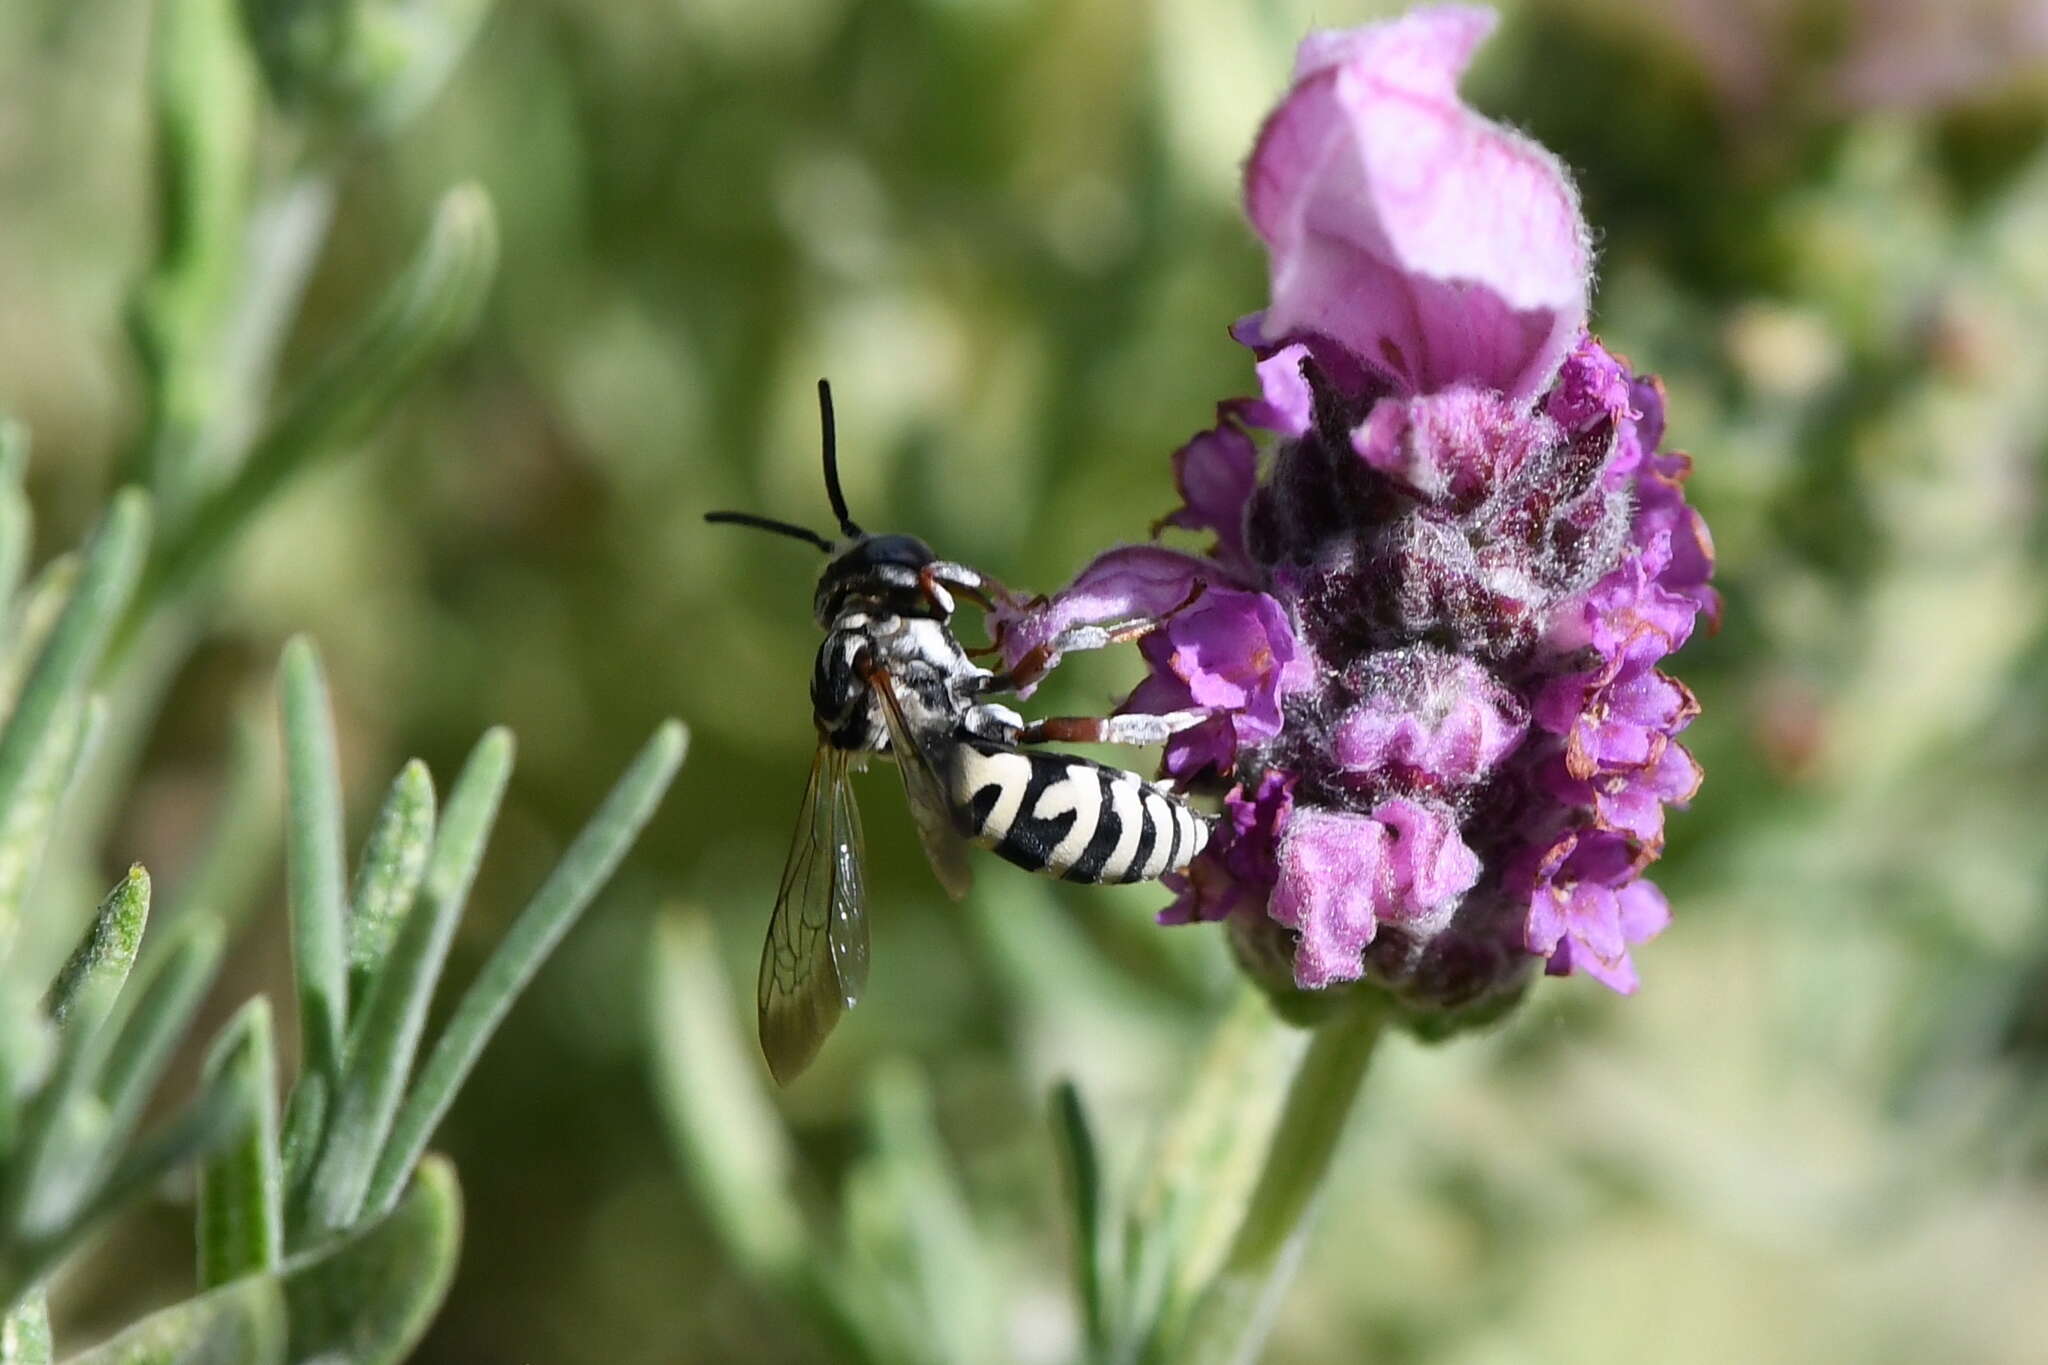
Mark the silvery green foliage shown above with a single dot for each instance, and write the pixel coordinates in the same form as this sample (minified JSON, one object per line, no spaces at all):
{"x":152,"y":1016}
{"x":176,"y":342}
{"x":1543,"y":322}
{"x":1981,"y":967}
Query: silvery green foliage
{"x":324,"y":1231}
{"x":324,"y":1236}
{"x":238,"y":236}
{"x":1178,"y":1256}
{"x":75,"y":1068}
{"x":367,"y":63}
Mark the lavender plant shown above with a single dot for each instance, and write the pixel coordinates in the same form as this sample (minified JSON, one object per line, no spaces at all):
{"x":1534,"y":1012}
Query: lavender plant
{"x":324,"y":1231}
{"x":1427,"y":636}
{"x":1427,"y":632}
{"x":329,"y":1236}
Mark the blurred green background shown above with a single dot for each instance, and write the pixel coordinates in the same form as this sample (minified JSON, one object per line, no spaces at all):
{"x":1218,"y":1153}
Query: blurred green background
{"x":1008,"y":232}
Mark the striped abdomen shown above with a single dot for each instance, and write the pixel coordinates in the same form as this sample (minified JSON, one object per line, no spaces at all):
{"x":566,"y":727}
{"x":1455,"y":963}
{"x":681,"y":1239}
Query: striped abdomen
{"x":1069,"y":817}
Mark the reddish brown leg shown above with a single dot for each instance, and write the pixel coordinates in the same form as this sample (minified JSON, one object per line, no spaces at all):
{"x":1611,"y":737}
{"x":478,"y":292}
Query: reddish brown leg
{"x":972,"y":584}
{"x":1066,"y":730}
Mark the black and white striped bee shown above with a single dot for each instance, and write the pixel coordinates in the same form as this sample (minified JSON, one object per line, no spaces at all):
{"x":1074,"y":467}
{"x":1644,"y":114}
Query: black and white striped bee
{"x":891,"y":679}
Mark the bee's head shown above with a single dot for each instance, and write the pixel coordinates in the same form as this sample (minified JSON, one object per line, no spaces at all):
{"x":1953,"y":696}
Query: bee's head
{"x":879,"y":571}
{"x":876,"y":571}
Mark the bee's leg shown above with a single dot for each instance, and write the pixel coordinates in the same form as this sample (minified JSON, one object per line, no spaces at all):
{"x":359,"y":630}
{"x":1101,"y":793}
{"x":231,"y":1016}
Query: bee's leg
{"x":1134,"y":728}
{"x":939,"y":578}
{"x":1042,"y":659}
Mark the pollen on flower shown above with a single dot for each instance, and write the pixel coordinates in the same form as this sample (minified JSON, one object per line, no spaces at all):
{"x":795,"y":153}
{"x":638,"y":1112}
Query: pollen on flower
{"x":1428,"y":628}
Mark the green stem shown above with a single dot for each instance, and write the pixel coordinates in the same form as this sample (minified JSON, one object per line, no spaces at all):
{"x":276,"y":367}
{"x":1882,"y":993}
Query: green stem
{"x":287,"y":228}
{"x":1318,"y":1102}
{"x":278,"y":245}
{"x":1236,"y":1310}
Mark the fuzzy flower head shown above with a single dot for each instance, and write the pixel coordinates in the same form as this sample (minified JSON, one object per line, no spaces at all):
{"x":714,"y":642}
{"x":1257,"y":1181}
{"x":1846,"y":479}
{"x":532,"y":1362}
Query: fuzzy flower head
{"x":1429,"y":627}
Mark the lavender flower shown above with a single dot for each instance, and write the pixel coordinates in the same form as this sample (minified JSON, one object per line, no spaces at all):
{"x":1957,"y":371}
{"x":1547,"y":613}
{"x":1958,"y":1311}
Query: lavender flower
{"x":1427,"y":635}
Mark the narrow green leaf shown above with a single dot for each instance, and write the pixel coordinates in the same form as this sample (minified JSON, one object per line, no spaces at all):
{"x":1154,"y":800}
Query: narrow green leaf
{"x":111,"y":563}
{"x":152,"y":1019}
{"x":368,"y":1300}
{"x":1081,"y":1171}
{"x":27,"y":1045}
{"x":731,"y":1144}
{"x":238,"y":1324}
{"x":1202,"y":1172}
{"x":585,"y":868}
{"x":728,"y":1136}
{"x":92,"y":731}
{"x":86,"y":988}
{"x":385,"y":1036}
{"x":32,"y":773}
{"x":204,"y":106}
{"x":28,"y":821}
{"x":30,"y":620}
{"x":15,"y":517}
{"x":305,"y":1122}
{"x":66,"y":1205}
{"x":60,"y":1140}
{"x":394,"y":861}
{"x":466,"y":825}
{"x":241,"y":1221}
{"x":25,"y":1331}
{"x":64,"y":1127}
{"x":365,"y":1300}
{"x":90,"y":1106}
{"x":314,"y":860}
{"x":425,"y":312}
{"x":197,"y":1130}
{"x":65,"y":1145}
{"x":915,"y":1221}
{"x":238,"y":852}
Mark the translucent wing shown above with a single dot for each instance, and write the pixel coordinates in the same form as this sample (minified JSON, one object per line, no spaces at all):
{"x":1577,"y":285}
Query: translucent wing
{"x":929,"y":806}
{"x":815,"y":962}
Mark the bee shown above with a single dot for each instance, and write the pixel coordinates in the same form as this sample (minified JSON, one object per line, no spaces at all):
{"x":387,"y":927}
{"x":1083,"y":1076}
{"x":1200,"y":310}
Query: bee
{"x":891,"y":679}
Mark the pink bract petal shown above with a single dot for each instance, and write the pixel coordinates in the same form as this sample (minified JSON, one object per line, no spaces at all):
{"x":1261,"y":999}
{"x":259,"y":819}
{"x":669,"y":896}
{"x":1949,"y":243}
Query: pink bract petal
{"x":1285,"y":404}
{"x":1121,"y":584}
{"x":1618,"y":975}
{"x":1232,"y":652}
{"x":1340,"y":874}
{"x":1453,"y":446}
{"x":1644,"y":911}
{"x":1216,"y":473}
{"x":1333,"y":876}
{"x":1426,"y":239}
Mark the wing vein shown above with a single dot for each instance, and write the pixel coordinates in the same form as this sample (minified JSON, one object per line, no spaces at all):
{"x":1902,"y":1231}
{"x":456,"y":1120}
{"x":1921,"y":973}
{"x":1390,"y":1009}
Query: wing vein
{"x":814,"y":961}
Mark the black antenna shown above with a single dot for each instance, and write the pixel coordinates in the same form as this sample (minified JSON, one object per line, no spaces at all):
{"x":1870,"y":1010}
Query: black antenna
{"x":846,"y":523}
{"x":780,"y":528}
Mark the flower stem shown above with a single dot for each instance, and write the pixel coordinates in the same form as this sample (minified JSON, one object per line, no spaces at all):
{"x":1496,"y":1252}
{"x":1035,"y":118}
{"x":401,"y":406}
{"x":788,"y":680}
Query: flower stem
{"x":1236,"y":1311}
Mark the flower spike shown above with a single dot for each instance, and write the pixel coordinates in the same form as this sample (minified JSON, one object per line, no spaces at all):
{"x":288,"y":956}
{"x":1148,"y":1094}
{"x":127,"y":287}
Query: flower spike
{"x":1447,"y":558}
